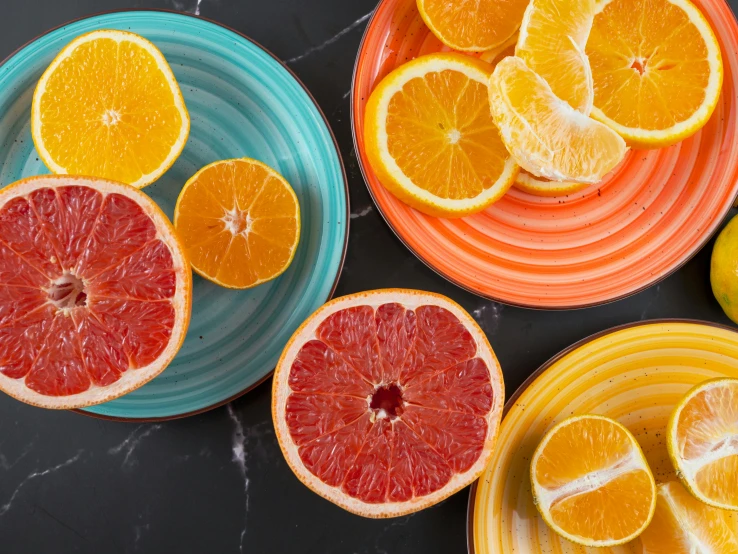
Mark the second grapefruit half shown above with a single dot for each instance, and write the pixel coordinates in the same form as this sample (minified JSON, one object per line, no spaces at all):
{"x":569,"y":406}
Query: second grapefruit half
{"x":386,"y":402}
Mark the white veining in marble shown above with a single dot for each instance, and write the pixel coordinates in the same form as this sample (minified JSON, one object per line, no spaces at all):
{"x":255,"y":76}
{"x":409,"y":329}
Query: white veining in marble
{"x":488,"y":317}
{"x":335,"y":38}
{"x":362,"y":213}
{"x":238,"y":445}
{"x":131,"y":443}
{"x":36,"y":474}
{"x":6,"y":464}
{"x":647,"y":307}
{"x":180,"y":6}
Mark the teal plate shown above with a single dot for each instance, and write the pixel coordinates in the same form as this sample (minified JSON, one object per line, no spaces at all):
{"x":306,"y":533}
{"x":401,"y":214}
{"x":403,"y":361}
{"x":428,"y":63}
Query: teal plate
{"x":242,"y":102}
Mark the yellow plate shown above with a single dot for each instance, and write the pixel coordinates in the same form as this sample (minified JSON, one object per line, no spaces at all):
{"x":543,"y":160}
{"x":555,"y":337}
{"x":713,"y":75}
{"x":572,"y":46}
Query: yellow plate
{"x":635,"y":374}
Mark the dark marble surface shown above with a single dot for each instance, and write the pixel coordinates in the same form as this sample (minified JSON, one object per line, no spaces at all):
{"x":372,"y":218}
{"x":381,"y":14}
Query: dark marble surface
{"x":217,"y":482}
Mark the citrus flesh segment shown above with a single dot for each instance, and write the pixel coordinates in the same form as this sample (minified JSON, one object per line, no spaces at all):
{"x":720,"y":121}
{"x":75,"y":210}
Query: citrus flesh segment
{"x":683,"y":525}
{"x":545,"y":135}
{"x":239,"y":221}
{"x":539,"y":186}
{"x":586,"y":469}
{"x":472,"y":25}
{"x":110,"y":106}
{"x":702,"y":438}
{"x":657,"y":70}
{"x":552,"y":39}
{"x":431,"y":139}
{"x":387,"y":402}
{"x":504,"y":50}
{"x":95,"y":295}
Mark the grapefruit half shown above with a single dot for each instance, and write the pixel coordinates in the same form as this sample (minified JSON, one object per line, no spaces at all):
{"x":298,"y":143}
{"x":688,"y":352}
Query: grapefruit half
{"x":386,"y":402}
{"x":95,"y":291}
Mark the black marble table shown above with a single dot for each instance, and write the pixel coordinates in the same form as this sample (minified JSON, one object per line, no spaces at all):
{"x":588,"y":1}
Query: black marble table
{"x":217,"y":482}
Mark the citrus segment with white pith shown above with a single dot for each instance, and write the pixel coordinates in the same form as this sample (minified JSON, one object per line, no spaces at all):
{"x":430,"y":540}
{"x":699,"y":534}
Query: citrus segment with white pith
{"x":95,"y":291}
{"x":386,"y":402}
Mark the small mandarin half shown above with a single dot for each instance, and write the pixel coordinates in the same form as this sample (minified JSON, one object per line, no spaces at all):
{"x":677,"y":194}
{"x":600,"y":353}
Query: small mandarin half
{"x":431,"y":139}
{"x":386,"y":402}
{"x":239,"y":221}
{"x":584,"y":471}
{"x":109,"y":106}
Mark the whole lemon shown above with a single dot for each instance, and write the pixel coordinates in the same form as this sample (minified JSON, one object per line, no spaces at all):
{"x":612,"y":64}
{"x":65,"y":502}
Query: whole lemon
{"x":724,"y":269}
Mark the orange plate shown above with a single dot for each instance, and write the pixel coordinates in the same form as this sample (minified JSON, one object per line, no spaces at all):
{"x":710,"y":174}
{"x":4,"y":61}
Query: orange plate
{"x":608,"y":241}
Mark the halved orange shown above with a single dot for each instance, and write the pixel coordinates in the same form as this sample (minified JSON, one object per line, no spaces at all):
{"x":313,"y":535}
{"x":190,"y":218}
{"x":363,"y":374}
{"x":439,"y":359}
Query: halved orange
{"x":95,"y":291}
{"x":657,"y":70}
{"x":386,"y":402}
{"x":545,"y":135}
{"x":109,"y":106}
{"x":552,"y":39}
{"x":684,"y":525}
{"x":472,"y":25}
{"x":431,"y":139}
{"x":591,"y":482}
{"x":239,"y":221}
{"x":702,"y":438}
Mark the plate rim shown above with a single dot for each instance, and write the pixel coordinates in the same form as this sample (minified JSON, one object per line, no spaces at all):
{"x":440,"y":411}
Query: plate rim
{"x":547,"y":365}
{"x":440,"y":273}
{"x":336,"y":146}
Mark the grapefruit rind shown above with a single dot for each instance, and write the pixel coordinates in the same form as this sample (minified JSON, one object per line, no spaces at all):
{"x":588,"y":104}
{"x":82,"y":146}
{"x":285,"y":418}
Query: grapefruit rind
{"x":182,"y":300}
{"x":410,"y":299}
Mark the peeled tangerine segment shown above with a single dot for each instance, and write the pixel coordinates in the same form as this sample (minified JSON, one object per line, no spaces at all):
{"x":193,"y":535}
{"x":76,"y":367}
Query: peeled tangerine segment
{"x":552,"y":39}
{"x":684,"y":525}
{"x":545,"y":135}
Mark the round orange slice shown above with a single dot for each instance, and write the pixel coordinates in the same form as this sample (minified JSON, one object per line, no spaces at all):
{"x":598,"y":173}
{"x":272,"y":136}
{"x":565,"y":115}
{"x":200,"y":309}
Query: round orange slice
{"x":431,"y":140}
{"x":702,"y":438}
{"x":591,"y":482}
{"x":239,"y":221}
{"x":386,"y":402}
{"x":109,"y":106}
{"x":472,"y":25}
{"x":545,"y":135}
{"x":657,"y":70}
{"x":95,"y":291}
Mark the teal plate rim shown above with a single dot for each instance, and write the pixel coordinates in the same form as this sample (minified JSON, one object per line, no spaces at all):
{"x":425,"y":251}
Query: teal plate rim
{"x":292,"y":74}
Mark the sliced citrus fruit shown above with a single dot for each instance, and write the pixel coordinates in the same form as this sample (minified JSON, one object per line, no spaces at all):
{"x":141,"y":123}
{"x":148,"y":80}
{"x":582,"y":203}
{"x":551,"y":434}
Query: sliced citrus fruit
{"x":504,"y":50}
{"x":386,"y":402}
{"x":109,"y":106}
{"x":239,"y":221}
{"x":472,"y":25}
{"x":584,"y":472}
{"x":431,"y":139}
{"x":545,"y":135}
{"x":95,"y":291}
{"x":552,"y":39}
{"x":702,"y":438}
{"x":657,"y":70}
{"x":539,"y":186}
{"x":684,"y":525}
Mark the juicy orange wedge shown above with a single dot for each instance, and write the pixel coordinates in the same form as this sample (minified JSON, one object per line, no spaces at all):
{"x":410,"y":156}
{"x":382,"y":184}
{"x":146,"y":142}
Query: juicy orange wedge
{"x":109,"y":106}
{"x":657,"y":70}
{"x":431,"y":139}
{"x":545,"y":135}
{"x":552,"y":40}
{"x":472,"y":25}
{"x":584,"y":472}
{"x":239,"y":221}
{"x":684,"y":525}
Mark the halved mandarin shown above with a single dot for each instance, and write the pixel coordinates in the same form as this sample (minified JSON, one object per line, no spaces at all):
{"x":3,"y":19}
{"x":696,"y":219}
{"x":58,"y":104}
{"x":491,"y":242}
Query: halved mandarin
{"x":239,"y":221}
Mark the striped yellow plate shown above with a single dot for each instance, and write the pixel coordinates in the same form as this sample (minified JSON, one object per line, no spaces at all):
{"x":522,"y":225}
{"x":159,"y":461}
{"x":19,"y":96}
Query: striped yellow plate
{"x":635,"y":374}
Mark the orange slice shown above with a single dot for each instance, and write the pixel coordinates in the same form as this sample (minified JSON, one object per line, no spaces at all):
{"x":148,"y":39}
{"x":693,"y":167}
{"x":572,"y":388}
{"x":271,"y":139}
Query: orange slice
{"x":431,"y":139}
{"x":109,"y":106}
{"x":702,"y":438}
{"x":545,"y":135}
{"x":538,"y":186}
{"x":239,"y":221}
{"x":386,"y":402}
{"x":584,"y":472}
{"x":552,"y":39}
{"x":504,"y":50}
{"x":684,"y":525}
{"x":95,"y":291}
{"x":657,"y":70}
{"x":472,"y":25}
